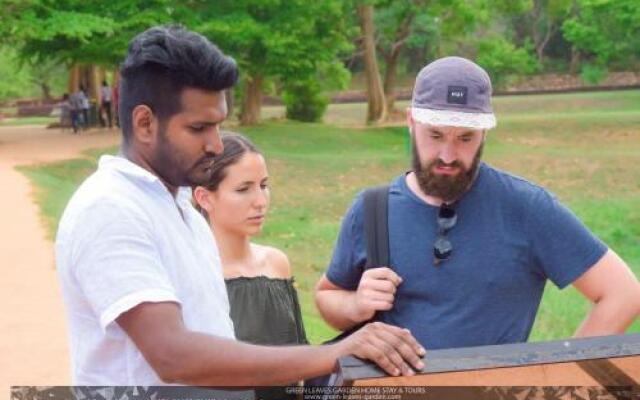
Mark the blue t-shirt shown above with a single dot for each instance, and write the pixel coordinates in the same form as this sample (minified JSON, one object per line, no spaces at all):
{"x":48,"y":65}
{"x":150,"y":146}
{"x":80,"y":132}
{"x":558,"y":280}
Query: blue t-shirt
{"x":510,"y":237}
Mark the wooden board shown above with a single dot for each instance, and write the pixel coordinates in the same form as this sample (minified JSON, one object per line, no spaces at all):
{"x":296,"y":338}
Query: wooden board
{"x":598,"y":361}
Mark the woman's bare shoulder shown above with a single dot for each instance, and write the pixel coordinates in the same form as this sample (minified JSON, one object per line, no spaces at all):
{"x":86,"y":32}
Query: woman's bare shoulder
{"x":276,"y":261}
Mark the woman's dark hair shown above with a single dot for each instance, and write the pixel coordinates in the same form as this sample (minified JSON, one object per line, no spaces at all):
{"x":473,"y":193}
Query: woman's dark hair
{"x":160,"y":63}
{"x":235,"y":146}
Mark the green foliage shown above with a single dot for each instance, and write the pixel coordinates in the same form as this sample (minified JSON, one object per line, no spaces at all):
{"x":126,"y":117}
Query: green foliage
{"x":285,"y":39}
{"x":75,"y":31}
{"x":410,"y":22}
{"x":28,"y":121}
{"x":607,"y":30}
{"x":305,"y":101}
{"x":26,"y":76}
{"x":459,"y":18}
{"x":511,"y":7}
{"x":19,"y":85}
{"x":592,"y":74}
{"x":530,"y":24}
{"x":334,"y":75}
{"x":423,"y":29}
{"x":502,"y":58}
{"x":276,"y":40}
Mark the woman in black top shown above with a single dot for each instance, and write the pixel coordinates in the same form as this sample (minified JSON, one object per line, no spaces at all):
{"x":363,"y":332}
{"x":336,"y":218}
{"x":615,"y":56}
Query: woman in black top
{"x":264,"y":304}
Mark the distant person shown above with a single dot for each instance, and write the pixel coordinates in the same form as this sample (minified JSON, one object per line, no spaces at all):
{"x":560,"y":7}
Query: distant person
{"x":75,"y":108}
{"x":105,"y":105}
{"x":264,"y":303}
{"x":115,"y":95}
{"x":471,"y":247}
{"x":65,"y":113}
{"x":85,"y":105}
{"x":139,"y":269}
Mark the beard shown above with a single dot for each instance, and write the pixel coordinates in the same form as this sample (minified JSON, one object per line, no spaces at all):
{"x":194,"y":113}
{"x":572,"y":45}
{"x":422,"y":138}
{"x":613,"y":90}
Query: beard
{"x":173,"y":167}
{"x":445,"y":187}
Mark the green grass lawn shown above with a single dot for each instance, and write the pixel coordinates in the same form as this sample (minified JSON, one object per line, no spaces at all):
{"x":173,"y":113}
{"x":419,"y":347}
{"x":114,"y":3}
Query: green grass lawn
{"x":583,"y":147}
{"x":28,"y":121}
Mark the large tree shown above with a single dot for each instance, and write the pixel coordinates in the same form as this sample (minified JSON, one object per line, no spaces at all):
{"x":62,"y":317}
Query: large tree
{"x":79,"y":33}
{"x":417,"y":25}
{"x":396,"y":23}
{"x":607,"y":31}
{"x":534,"y":22}
{"x":486,"y":35}
{"x":275,"y":41}
{"x":278,"y":42}
{"x":76,"y":31}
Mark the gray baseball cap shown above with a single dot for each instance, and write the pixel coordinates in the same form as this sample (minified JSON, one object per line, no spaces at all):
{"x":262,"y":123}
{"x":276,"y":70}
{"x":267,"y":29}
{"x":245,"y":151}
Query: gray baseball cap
{"x":453,"y":91}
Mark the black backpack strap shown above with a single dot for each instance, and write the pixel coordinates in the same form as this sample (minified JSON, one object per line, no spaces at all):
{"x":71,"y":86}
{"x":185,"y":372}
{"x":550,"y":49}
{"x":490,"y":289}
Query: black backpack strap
{"x":376,"y":230}
{"x":376,"y":226}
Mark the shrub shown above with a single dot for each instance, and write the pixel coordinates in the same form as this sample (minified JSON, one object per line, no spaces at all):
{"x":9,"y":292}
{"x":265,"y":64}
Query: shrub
{"x":305,"y":101}
{"x":502,"y":59}
{"x":592,"y":74}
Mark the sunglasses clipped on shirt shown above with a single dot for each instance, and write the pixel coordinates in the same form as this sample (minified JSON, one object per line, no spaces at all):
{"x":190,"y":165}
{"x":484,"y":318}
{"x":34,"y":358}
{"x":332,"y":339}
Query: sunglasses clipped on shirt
{"x":443,"y":248}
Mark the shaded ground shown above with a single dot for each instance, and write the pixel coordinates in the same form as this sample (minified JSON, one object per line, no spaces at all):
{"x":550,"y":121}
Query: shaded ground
{"x":33,"y":348}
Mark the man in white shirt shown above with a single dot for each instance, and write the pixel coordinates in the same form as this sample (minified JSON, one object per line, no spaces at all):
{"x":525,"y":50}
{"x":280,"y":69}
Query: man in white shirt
{"x":140,"y":273}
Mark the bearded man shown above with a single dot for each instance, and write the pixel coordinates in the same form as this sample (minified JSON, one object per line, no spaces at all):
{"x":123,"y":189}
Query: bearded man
{"x":470,"y":247}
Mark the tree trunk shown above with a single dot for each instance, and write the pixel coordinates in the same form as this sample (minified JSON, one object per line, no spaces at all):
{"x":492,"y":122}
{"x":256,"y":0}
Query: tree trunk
{"x":390,"y":81}
{"x":46,"y":90}
{"x":93,"y":89}
{"x":391,"y":60}
{"x":116,"y":77}
{"x":537,"y":19}
{"x":74,"y":79}
{"x":85,"y":76}
{"x":251,"y":101}
{"x":540,"y":52}
{"x":575,"y":60}
{"x":377,"y":107}
{"x":229,"y":96}
{"x":551,"y":30}
{"x":575,"y":52}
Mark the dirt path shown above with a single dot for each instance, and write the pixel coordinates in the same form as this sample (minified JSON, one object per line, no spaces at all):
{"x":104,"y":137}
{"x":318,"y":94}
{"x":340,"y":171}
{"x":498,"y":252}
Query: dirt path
{"x":33,"y":349}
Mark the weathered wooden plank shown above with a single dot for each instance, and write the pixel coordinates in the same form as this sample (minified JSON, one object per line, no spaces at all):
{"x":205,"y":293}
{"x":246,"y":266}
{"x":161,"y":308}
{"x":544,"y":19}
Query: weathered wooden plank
{"x":606,"y":360}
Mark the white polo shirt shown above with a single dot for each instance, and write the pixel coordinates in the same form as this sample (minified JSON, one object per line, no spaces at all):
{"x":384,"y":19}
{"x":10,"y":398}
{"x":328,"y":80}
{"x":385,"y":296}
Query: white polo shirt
{"x":122,"y":240}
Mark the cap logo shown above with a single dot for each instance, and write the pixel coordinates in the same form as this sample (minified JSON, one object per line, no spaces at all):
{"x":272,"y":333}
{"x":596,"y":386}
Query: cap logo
{"x":457,"y":94}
